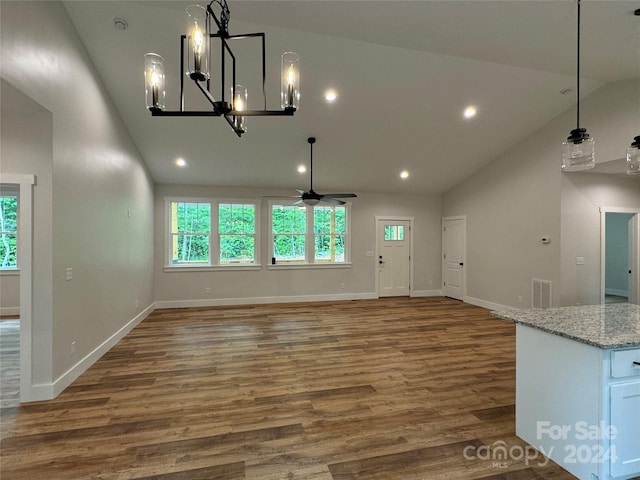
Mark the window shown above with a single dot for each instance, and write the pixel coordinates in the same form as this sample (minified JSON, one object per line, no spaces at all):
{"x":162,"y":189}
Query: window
{"x":309,"y":235}
{"x":329,"y":230}
{"x":190,"y":233}
{"x":191,"y":238}
{"x":289,"y":223}
{"x":8,"y":230}
{"x":393,"y":232}
{"x":237,"y":231}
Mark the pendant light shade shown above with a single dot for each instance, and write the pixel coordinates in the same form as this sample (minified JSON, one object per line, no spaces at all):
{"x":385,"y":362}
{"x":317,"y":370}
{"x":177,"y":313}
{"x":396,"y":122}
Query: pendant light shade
{"x":633,"y":157}
{"x":578,"y":152}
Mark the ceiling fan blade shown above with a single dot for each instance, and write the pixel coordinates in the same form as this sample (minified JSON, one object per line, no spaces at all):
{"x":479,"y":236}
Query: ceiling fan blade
{"x":300,"y":191}
{"x":299,"y":202}
{"x":280,"y":196}
{"x":332,"y":201}
{"x":340,"y":195}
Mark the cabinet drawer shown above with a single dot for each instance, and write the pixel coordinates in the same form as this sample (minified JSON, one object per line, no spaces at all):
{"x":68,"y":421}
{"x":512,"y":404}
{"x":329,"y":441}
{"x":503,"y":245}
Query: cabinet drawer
{"x":622,"y":363}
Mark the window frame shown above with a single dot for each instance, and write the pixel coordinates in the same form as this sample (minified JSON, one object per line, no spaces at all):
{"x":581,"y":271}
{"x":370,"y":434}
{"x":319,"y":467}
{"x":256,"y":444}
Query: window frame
{"x":214,"y":235}
{"x":310,"y":236}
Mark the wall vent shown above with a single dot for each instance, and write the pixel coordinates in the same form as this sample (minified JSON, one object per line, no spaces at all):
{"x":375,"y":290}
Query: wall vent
{"x":541,"y":293}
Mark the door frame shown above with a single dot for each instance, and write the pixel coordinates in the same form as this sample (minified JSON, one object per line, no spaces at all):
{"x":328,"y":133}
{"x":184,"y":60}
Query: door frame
{"x":444,"y":265}
{"x":603,"y":251}
{"x":392,"y":218}
{"x":25,"y":182}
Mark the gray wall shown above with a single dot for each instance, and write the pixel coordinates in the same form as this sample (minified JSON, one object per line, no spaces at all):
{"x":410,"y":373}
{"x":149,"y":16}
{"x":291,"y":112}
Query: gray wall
{"x":96,"y":176}
{"x":188,"y":288}
{"x":523,"y":195}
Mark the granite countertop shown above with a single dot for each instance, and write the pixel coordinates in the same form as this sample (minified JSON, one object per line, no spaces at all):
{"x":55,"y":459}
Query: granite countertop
{"x":615,"y":325}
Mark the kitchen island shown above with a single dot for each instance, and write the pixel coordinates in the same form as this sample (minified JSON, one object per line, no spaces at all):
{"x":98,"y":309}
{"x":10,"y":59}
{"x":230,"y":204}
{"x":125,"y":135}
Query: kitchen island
{"x":578,"y":387}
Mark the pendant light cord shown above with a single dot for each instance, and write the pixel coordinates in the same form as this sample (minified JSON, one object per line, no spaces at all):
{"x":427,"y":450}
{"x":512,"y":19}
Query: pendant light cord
{"x":578,"y":73}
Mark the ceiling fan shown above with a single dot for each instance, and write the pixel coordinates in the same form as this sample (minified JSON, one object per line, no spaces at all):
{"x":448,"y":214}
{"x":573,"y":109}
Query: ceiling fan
{"x":311,"y":197}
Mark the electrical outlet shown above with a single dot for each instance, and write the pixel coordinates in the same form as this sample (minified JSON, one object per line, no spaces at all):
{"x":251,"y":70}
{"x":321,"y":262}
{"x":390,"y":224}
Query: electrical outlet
{"x":207,"y":290}
{"x":72,"y":348}
{"x":342,"y":286}
{"x":68,"y":274}
{"x":137,"y":303}
{"x":519,"y":299}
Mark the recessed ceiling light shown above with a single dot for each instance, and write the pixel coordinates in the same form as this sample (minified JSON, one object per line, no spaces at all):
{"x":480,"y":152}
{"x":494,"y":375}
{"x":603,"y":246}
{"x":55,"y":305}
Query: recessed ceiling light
{"x":120,"y":23}
{"x":181,"y":162}
{"x":330,"y":96}
{"x":302,"y":169}
{"x":404,"y":174}
{"x":470,"y":112}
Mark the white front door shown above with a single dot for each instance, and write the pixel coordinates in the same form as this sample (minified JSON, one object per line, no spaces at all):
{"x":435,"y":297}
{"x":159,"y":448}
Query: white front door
{"x":393,"y":258}
{"x":453,"y":256}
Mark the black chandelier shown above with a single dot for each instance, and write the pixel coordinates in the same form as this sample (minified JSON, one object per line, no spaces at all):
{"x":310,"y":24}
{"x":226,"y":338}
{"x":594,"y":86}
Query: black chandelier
{"x":198,"y":51}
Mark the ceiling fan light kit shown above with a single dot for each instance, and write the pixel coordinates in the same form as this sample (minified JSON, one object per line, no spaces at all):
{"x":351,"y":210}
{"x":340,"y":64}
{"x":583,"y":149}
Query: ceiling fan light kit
{"x":200,"y":40}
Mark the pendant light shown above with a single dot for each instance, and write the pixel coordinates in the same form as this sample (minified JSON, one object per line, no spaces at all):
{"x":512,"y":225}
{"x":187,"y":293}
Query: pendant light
{"x":578,"y":149}
{"x":633,"y":157}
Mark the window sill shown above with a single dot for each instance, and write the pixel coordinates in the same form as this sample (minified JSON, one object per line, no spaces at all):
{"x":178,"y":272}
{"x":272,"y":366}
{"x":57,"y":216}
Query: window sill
{"x":10,"y":272}
{"x":211,"y":268}
{"x":307,"y":266}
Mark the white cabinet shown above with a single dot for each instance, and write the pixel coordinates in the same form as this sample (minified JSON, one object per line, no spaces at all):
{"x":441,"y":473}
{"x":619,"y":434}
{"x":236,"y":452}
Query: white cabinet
{"x":579,"y":404}
{"x":625,"y":416}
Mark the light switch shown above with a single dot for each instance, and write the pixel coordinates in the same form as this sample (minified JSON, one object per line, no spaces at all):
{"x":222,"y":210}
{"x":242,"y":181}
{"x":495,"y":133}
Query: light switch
{"x":579,"y":260}
{"x":68,"y":274}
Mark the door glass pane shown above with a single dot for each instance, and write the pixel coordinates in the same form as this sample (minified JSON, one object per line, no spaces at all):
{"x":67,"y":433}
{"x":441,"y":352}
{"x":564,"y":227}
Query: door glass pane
{"x":393,"y":232}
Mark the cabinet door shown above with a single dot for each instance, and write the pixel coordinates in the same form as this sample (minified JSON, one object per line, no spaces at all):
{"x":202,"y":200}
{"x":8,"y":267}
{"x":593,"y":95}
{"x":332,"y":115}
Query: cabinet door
{"x":625,"y":417}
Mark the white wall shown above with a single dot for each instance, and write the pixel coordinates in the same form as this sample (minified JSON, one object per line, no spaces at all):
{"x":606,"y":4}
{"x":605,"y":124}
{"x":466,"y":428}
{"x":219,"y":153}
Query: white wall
{"x":582,"y":196}
{"x":188,"y":288}
{"x":98,"y":177}
{"x":522,"y":195}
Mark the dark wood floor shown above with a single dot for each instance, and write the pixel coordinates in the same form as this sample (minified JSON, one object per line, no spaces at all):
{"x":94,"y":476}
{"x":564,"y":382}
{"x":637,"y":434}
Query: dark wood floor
{"x":398,"y":389}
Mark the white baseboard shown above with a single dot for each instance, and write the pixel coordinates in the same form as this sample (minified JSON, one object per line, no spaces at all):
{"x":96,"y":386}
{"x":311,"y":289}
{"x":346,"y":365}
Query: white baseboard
{"x":426,"y":293}
{"x":9,"y":311}
{"x":215,"y":302}
{"x":484,"y":304}
{"x":613,"y":291}
{"x":79,"y":368}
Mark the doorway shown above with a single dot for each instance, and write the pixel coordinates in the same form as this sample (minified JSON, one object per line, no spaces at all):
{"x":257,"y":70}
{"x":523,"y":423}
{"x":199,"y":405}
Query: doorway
{"x":24,"y":185}
{"x":620,"y":255}
{"x":393,"y":256}
{"x":454,"y":252}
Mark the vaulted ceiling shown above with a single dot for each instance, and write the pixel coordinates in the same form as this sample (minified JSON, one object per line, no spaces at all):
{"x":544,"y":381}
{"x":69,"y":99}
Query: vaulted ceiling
{"x":404,"y":71}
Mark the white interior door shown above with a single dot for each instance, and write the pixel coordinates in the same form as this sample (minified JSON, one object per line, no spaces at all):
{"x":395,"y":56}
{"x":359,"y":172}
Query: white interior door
{"x":393,"y":257}
{"x":634,"y":260}
{"x":453,"y":257}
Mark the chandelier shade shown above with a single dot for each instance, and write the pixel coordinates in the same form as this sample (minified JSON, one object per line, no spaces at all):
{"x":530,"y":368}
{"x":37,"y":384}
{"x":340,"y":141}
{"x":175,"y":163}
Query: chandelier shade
{"x":154,"y":81}
{"x":196,"y":54}
{"x":197,"y":44}
{"x":290,"y":80}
